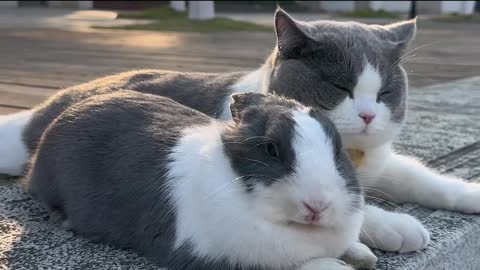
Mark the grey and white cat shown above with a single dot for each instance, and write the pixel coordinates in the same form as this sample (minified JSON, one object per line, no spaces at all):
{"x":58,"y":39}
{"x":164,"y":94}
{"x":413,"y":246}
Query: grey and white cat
{"x":271,"y":189}
{"x":349,"y":70}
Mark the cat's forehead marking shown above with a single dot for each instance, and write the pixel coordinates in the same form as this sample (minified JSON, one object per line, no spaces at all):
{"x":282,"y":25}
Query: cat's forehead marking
{"x":369,"y":82}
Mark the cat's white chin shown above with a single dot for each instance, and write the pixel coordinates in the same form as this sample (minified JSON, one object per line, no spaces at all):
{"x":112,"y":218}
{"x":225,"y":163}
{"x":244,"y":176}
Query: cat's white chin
{"x":368,"y":139}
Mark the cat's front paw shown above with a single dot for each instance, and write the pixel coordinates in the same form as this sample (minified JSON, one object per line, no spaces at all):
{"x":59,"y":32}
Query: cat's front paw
{"x":468,"y":201}
{"x":325,"y":264}
{"x":391,"y":231}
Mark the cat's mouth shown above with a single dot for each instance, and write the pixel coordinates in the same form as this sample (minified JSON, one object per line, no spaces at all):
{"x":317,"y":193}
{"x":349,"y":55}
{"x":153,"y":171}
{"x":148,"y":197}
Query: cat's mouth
{"x":362,"y":131}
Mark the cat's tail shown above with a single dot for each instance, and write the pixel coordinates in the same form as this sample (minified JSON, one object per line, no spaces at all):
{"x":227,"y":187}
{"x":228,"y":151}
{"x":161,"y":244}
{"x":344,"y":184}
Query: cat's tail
{"x":14,"y":153}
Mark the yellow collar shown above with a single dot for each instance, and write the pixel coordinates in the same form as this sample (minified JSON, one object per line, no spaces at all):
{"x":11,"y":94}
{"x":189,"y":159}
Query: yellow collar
{"x":357,"y":157}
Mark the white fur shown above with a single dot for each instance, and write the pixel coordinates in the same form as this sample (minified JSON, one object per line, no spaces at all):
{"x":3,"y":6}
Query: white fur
{"x":360,"y":256}
{"x":393,"y":231}
{"x":253,"y":82}
{"x":212,"y":206}
{"x":13,"y":152}
{"x":316,"y":172}
{"x":385,"y":230}
{"x":355,"y":133}
{"x":404,"y":179}
{"x":368,"y":85}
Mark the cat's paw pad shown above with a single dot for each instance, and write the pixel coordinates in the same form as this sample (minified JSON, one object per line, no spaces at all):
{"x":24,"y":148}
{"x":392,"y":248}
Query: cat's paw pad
{"x":396,"y":232}
{"x":325,"y":264}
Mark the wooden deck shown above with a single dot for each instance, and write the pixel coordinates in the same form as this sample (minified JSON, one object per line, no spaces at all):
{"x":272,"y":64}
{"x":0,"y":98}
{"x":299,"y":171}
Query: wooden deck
{"x":36,"y":63}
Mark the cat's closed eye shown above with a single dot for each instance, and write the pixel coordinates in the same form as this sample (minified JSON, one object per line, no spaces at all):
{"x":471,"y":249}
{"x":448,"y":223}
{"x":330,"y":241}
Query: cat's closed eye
{"x":383,"y":94}
{"x":343,"y":89}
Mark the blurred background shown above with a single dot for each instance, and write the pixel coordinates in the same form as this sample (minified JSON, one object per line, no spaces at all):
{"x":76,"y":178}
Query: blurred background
{"x":49,"y":45}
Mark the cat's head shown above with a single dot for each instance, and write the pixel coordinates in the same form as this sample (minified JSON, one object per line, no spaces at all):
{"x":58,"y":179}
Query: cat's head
{"x":350,"y":70}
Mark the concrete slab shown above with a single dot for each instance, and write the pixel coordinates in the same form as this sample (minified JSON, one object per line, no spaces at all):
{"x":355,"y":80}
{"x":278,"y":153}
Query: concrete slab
{"x":437,"y":124}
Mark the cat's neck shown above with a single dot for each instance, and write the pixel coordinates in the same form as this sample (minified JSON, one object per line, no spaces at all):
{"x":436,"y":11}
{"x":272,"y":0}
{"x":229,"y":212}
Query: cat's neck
{"x":258,"y":80}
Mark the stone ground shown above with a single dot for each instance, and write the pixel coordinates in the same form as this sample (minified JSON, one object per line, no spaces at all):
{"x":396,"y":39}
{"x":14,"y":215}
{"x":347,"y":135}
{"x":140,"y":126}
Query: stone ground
{"x":38,"y":58}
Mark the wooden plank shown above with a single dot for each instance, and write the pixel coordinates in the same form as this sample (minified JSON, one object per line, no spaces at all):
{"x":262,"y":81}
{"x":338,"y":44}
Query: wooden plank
{"x":8,"y":110}
{"x":20,"y":100}
{"x":26,"y":90}
{"x":62,"y":54}
{"x":150,"y":43}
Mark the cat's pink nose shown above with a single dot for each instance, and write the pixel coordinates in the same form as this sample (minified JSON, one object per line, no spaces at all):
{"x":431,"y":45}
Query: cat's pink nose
{"x":367,"y":117}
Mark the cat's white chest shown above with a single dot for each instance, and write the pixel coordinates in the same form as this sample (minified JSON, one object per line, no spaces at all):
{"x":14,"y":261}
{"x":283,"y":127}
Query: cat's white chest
{"x":372,"y":165}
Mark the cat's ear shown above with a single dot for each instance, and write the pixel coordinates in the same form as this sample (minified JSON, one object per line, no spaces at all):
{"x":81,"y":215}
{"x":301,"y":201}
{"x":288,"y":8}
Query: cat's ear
{"x":241,"y":101}
{"x":290,"y":38}
{"x":402,"y":34}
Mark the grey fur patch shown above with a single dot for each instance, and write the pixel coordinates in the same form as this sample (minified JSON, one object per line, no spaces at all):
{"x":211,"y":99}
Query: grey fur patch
{"x":325,"y":66}
{"x":99,"y":162}
{"x":201,"y":91}
{"x":262,"y":122}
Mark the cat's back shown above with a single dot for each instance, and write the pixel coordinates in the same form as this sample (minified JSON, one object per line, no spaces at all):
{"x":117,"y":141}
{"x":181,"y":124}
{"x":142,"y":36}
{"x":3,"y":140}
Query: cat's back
{"x":205,"y":92}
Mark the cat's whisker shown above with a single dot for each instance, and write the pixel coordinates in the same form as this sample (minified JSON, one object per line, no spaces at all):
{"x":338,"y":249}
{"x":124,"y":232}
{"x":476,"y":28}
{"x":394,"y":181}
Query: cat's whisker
{"x":421,"y":47}
{"x":224,"y":186}
{"x":370,"y":188}
{"x":367,"y":235}
{"x":258,"y":161}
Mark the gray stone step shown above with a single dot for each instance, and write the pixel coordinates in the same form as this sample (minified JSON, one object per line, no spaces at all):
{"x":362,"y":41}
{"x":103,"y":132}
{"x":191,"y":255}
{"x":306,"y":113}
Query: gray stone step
{"x":443,"y":129}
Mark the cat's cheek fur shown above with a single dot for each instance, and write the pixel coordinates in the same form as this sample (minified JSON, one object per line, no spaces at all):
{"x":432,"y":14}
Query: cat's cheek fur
{"x":346,"y":115}
{"x":380,"y":132}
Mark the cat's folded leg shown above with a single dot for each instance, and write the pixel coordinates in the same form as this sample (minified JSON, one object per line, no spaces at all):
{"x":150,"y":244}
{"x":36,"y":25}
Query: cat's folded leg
{"x":392,"y":231}
{"x":406,"y":180}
